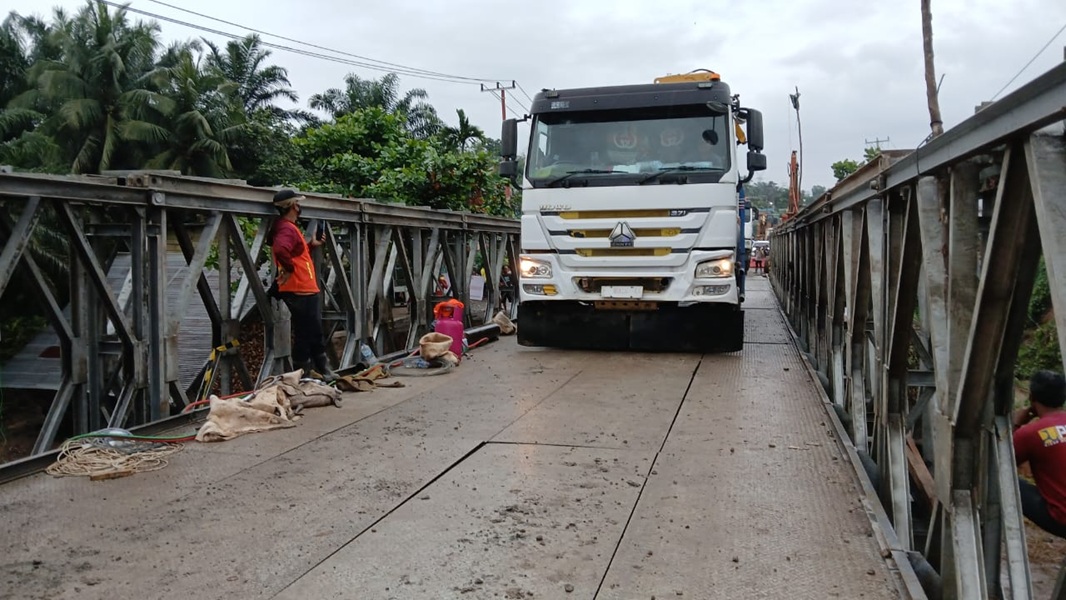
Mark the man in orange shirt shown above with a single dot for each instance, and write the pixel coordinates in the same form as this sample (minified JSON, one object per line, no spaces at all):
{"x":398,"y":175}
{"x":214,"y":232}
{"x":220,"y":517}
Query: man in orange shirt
{"x":1040,"y":440}
{"x":298,"y":285}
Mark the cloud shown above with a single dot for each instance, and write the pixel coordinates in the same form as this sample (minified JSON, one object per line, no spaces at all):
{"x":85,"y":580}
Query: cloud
{"x":859,"y":65}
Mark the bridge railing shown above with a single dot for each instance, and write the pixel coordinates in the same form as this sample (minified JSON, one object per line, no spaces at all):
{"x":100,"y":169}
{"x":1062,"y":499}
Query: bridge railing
{"x":908,"y":285}
{"x":122,"y":341}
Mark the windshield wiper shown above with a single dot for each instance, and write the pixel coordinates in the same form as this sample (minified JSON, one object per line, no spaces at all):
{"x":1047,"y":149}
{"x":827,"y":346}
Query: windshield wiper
{"x":570,"y":174}
{"x":677,"y":169}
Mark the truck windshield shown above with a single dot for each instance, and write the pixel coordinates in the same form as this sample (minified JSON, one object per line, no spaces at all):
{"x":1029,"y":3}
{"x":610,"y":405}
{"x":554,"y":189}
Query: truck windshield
{"x":616,"y":145}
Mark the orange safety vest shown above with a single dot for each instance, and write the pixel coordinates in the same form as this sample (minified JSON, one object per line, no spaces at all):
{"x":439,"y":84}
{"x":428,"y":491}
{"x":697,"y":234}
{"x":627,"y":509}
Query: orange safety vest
{"x":302,"y":280}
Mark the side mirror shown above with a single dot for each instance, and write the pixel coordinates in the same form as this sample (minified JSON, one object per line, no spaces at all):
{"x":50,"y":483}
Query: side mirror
{"x":756,"y":161}
{"x":508,"y":169}
{"x":755,"y":138}
{"x":509,"y":140}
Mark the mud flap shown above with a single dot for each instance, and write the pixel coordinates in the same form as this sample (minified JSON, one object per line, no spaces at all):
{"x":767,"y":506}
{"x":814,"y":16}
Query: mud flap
{"x":695,"y":328}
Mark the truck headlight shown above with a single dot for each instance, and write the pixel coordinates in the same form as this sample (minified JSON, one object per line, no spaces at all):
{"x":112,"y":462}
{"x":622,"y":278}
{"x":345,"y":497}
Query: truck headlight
{"x":534,"y":269}
{"x":715,"y":269}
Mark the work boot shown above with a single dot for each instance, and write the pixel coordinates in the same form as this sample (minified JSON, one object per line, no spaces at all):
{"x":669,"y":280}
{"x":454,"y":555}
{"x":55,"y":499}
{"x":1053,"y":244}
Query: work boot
{"x":323,"y":368}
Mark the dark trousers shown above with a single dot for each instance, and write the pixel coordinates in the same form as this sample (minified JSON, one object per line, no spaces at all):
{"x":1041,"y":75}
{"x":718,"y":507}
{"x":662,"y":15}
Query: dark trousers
{"x":1034,"y":507}
{"x":307,"y":340}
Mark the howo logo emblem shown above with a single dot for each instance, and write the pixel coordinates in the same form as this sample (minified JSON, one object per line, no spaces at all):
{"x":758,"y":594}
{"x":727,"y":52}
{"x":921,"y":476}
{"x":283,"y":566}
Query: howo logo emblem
{"x":622,"y":236}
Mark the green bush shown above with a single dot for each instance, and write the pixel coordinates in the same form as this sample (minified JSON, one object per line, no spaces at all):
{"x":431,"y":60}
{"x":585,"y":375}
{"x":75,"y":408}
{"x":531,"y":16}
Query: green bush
{"x":1039,"y":351}
{"x":1040,"y":348}
{"x":16,"y":332}
{"x":1040,"y":301}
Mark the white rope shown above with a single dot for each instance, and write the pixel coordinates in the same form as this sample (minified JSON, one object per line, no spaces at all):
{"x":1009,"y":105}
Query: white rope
{"x":83,"y":458}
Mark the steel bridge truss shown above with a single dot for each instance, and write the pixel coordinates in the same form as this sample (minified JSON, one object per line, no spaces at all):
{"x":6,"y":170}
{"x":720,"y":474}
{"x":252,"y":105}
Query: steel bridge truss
{"x":120,"y":350}
{"x":909,"y":285}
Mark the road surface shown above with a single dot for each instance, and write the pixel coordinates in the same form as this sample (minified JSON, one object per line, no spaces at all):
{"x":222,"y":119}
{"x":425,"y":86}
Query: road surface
{"x":525,"y":473}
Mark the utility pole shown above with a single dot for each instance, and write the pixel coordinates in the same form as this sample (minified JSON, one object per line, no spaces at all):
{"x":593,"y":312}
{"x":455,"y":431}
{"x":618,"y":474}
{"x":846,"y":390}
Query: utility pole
{"x":795,"y":170}
{"x":502,"y":89}
{"x":795,"y":99}
{"x":876,"y":142}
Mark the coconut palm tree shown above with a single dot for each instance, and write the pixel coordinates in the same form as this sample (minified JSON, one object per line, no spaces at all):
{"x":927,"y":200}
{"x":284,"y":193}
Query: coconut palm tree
{"x":13,"y":60}
{"x":460,"y":137}
{"x":23,"y":42}
{"x":259,"y":86}
{"x":358,"y":93}
{"x":198,"y":114}
{"x":101,"y":109}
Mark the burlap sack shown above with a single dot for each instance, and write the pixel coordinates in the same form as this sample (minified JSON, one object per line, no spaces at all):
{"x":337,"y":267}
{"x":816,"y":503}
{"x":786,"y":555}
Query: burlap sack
{"x":232,"y":417}
{"x":507,"y":326}
{"x":433,"y":345}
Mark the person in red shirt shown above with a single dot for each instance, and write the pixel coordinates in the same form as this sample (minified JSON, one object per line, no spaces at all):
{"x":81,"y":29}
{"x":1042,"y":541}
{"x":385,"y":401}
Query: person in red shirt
{"x":1040,"y":440}
{"x":297,"y":285}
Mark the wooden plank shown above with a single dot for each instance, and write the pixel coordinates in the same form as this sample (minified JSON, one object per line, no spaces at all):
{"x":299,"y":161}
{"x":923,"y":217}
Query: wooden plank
{"x":920,"y":471}
{"x":110,"y":474}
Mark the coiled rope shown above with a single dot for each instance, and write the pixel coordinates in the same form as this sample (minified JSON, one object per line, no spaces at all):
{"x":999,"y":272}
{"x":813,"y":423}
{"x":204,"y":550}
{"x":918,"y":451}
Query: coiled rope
{"x":83,"y":458}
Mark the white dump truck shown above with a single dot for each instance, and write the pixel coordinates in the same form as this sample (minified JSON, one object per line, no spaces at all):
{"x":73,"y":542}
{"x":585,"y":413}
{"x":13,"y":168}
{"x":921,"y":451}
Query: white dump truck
{"x":634,"y":225}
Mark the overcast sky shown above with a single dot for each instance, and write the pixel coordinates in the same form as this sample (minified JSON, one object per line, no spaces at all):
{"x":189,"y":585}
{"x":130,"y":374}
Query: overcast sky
{"x":858,"y":64}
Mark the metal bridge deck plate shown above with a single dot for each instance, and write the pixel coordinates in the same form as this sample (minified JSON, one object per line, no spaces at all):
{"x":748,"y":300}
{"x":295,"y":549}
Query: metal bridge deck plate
{"x":426,"y":491}
{"x":750,"y":497}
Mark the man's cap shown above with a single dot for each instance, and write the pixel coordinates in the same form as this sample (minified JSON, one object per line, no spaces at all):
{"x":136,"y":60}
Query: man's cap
{"x":286,"y":198}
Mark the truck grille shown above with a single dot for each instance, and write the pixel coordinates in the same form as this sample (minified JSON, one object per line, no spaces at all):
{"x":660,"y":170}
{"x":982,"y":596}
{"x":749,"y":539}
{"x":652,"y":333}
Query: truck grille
{"x":595,"y":284}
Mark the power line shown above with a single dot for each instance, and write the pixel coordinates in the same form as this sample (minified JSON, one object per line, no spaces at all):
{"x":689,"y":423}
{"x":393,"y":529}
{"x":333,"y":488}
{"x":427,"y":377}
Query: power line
{"x":341,"y":52}
{"x":876,"y":142}
{"x":284,"y":48}
{"x":509,"y":108}
{"x":1031,"y":60}
{"x":521,"y":104}
{"x":521,"y":89}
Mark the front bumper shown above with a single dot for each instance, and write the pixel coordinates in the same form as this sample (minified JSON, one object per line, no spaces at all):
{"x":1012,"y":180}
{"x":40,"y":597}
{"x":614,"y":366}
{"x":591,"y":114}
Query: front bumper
{"x":565,"y":283}
{"x":703,"y":327}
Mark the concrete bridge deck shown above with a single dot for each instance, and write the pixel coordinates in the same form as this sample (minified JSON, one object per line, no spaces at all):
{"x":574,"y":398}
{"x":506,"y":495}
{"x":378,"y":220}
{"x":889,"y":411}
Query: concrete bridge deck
{"x":526,"y":473}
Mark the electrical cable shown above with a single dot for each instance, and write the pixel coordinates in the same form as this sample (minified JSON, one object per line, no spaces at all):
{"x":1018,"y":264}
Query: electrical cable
{"x":193,"y":405}
{"x":284,"y":48}
{"x":1031,"y":60}
{"x":288,"y":39}
{"x":521,"y":89}
{"x":509,"y":109}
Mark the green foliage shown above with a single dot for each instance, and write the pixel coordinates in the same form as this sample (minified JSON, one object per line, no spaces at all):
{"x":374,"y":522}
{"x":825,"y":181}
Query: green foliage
{"x":199,"y":117}
{"x":1039,"y":351}
{"x":96,"y":91}
{"x":843,"y":168}
{"x":16,"y":332}
{"x":370,"y":153}
{"x":1040,"y":301}
{"x":264,"y":152}
{"x":1040,"y":348}
{"x":420,"y":118}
